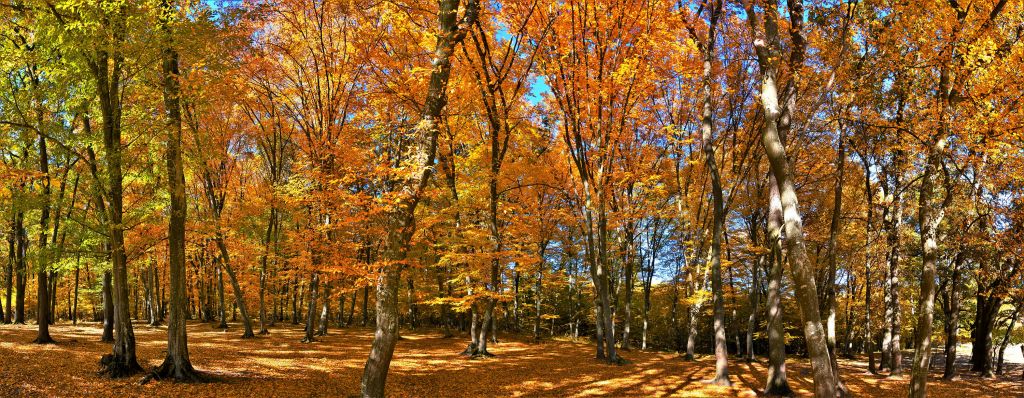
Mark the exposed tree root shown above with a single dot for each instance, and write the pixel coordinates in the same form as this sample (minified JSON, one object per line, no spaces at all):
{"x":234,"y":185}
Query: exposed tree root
{"x":184,"y":373}
{"x":116,"y":367}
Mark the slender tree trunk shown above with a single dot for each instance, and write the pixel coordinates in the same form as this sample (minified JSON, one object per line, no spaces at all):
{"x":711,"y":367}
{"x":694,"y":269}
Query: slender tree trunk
{"x":8,"y":315}
{"x":108,"y":310}
{"x":1006,"y":341}
{"x":777,"y":383}
{"x":341,"y":309}
{"x":177,"y":364}
{"x":222,"y":311}
{"x":828,"y":299}
{"x":326,"y":311}
{"x":951,"y":307}
{"x":263,"y":270}
{"x":351,"y":309}
{"x":314,"y":284}
{"x":803,"y":277}
{"x":707,"y":133}
{"x":43,"y":297}
{"x":21,"y":268}
{"x":403,"y":220}
{"x":755,"y":302}
{"x":74,"y":305}
{"x":366,"y":301}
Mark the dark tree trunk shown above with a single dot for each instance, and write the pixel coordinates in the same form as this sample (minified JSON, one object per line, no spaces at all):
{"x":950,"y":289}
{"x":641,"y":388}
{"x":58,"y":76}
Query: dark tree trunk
{"x":108,"y":310}
{"x":981,"y":334}
{"x":21,"y":268}
{"x":177,"y":364}
{"x":43,"y":293}
{"x":351,"y":309}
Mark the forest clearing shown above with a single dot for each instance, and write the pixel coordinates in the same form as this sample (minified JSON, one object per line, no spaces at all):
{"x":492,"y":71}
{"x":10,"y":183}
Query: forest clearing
{"x":426,"y":365}
{"x":434,"y":198}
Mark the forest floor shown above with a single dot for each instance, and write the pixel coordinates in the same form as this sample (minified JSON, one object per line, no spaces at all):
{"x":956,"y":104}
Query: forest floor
{"x":425,"y":365}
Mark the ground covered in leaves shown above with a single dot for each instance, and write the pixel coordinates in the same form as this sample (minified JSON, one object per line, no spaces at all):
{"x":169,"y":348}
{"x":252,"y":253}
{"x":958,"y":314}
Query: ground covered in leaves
{"x":425,"y":365}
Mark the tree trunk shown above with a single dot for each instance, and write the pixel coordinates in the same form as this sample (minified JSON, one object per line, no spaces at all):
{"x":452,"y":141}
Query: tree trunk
{"x":177,"y":364}
{"x":402,"y":220}
{"x":981,"y":334}
{"x":74,"y":305}
{"x":326,"y":311}
{"x":828,"y":293}
{"x":21,"y":268}
{"x":222,"y":311}
{"x":235,"y":288}
{"x":951,"y":308}
{"x":263,"y":270}
{"x":43,"y":293}
{"x":108,"y":310}
{"x":314,"y":283}
{"x":1006,"y":341}
{"x":8,"y":314}
{"x":771,"y":140}
{"x":929,"y":219}
{"x":707,"y":143}
{"x":777,"y":383}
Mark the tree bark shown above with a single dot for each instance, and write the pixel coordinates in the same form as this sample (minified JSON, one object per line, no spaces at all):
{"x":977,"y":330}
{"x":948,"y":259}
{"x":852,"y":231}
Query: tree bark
{"x":314,"y":283}
{"x":1006,"y":341}
{"x":176,"y":365}
{"x":766,"y":44}
{"x":951,"y":308}
{"x":929,"y":219}
{"x":43,"y":285}
{"x":707,"y":142}
{"x":777,"y":383}
{"x":402,"y":220}
{"x":235,"y":288}
{"x":325,"y":312}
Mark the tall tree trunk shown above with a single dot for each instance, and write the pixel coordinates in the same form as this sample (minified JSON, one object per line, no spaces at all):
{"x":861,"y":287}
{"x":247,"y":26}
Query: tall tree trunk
{"x":351,"y":309}
{"x":828,"y":299}
{"x":981,"y":334}
{"x":868,"y":283}
{"x":222,"y":311}
{"x":707,"y":143}
{"x":403,"y":220}
{"x":777,"y":383}
{"x":326,"y":311}
{"x":177,"y":364}
{"x":263,"y":269}
{"x":74,"y":305}
{"x":107,"y":69}
{"x":929,"y":219}
{"x":314,"y":284}
{"x":43,"y":297}
{"x":1006,"y":341}
{"x":341,"y":309}
{"x":8,"y":315}
{"x":20,"y":268}
{"x":951,"y":308}
{"x":766,"y":44}
{"x":108,"y":310}
{"x":235,"y":288}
